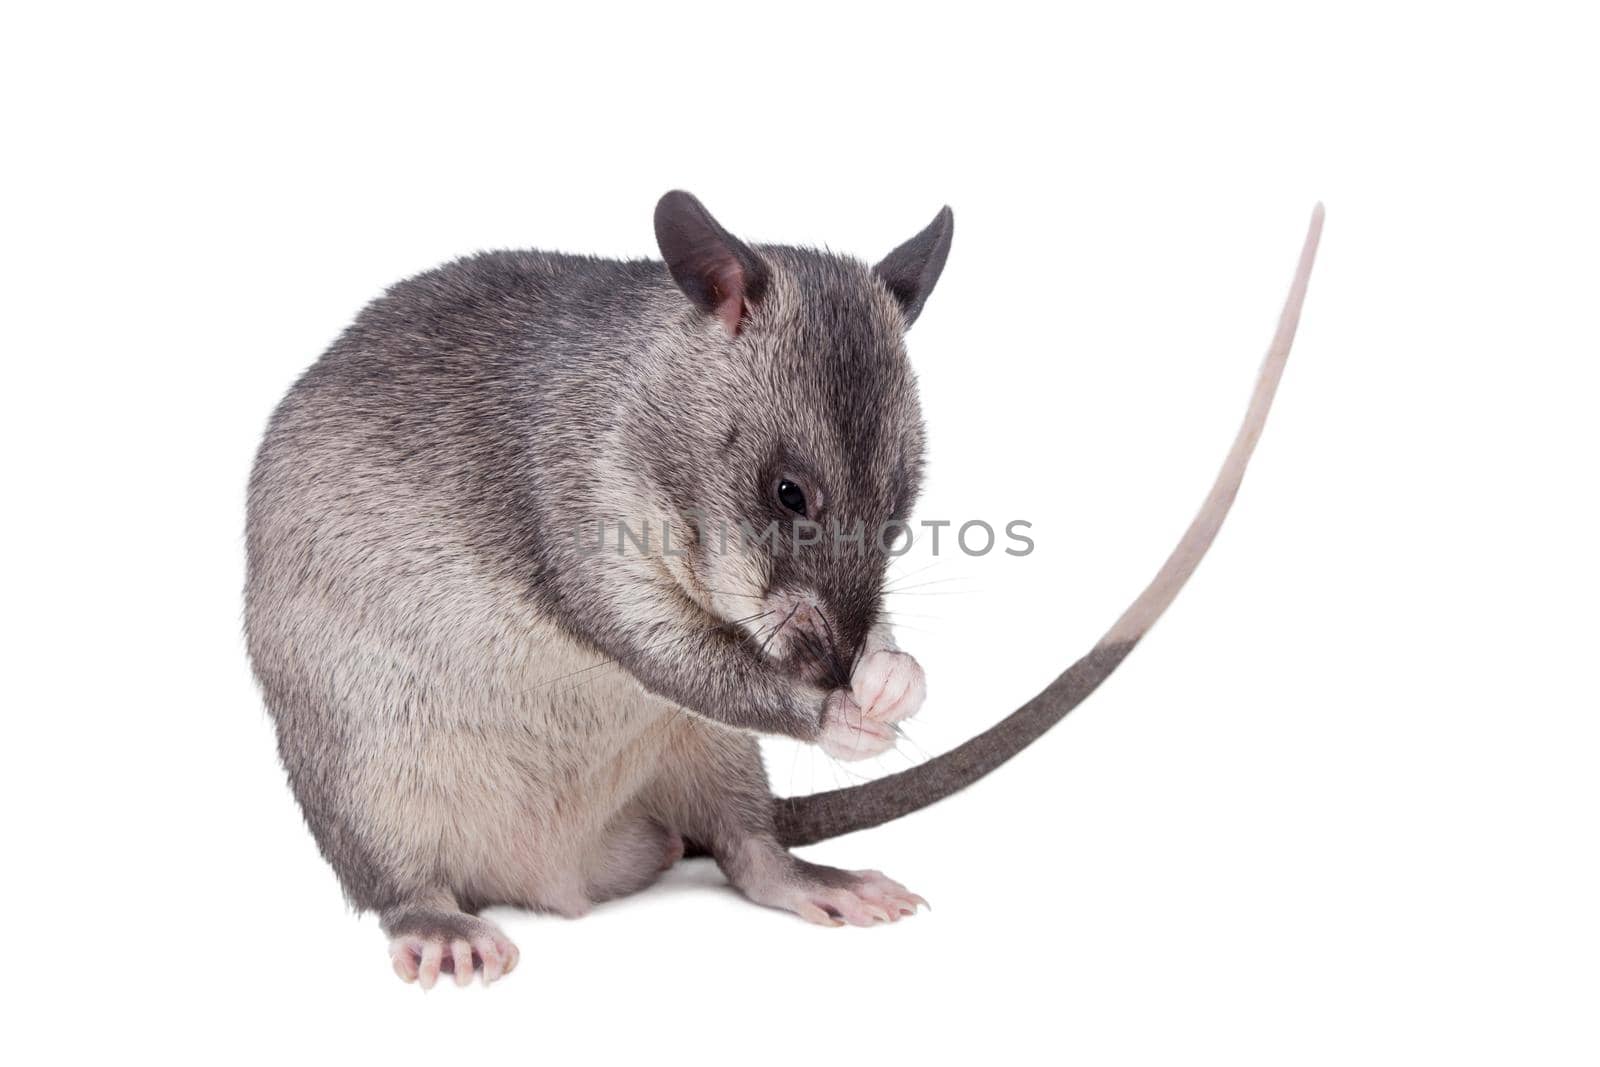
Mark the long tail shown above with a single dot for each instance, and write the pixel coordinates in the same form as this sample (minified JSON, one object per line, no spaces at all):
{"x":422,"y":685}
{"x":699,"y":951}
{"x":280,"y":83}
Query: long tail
{"x":808,"y":819}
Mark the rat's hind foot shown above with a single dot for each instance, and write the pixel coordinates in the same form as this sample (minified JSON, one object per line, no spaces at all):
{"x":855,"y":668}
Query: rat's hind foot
{"x":829,"y":896}
{"x":867,"y":898}
{"x":427,"y":941}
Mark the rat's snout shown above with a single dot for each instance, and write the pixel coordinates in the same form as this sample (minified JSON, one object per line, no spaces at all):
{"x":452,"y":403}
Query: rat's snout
{"x":801,"y":629}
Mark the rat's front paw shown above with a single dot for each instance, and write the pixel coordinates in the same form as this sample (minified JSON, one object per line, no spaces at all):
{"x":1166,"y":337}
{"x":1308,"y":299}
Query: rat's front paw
{"x":451,"y":944}
{"x":888,"y":685}
{"x":857,"y":723}
{"x":848,"y":733}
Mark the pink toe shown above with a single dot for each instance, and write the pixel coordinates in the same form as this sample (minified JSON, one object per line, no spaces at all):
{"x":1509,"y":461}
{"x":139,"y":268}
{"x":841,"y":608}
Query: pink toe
{"x":461,"y":961}
{"x":493,"y":962}
{"x":811,"y":913}
{"x":428,"y":968}
{"x":405,"y":964}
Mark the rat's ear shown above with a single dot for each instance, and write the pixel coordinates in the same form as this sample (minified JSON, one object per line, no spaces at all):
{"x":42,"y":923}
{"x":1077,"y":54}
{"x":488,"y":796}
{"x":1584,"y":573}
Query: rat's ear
{"x":713,"y":267}
{"x":911,"y":270}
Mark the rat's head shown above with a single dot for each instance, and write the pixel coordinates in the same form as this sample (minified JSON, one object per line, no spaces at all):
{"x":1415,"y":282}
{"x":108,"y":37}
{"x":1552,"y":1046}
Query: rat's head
{"x":797,"y":453}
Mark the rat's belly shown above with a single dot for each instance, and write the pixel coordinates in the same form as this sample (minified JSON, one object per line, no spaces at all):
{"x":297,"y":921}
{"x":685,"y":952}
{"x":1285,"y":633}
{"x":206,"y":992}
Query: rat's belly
{"x":470,"y":743}
{"x":514,"y":788}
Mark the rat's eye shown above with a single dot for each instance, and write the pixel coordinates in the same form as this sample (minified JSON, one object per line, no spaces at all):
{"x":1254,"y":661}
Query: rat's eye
{"x":791,"y":496}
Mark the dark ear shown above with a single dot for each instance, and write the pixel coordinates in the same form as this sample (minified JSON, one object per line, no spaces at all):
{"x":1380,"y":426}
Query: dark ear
{"x":911,"y":270}
{"x":717,"y":271}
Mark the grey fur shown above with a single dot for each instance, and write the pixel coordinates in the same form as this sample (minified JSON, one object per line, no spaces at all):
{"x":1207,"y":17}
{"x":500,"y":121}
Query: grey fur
{"x":426,"y":630}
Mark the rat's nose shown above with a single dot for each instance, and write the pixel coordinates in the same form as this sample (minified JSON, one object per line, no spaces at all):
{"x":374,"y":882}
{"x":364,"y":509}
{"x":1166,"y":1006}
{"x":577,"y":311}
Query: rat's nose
{"x":801,"y":628}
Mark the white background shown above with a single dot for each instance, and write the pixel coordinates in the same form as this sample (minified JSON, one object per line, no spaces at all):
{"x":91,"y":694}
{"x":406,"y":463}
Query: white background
{"x":1340,"y":805}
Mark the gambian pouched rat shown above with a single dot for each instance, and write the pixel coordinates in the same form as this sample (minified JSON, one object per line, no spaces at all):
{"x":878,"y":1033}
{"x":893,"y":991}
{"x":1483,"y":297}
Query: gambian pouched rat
{"x":424,"y":619}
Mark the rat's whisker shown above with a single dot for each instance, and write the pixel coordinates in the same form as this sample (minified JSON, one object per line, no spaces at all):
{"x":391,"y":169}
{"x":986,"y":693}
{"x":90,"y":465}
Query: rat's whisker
{"x":933,"y":592}
{"x":919,"y":570}
{"x":833,"y":650}
{"x":778,"y":627}
{"x":908,"y":739}
{"x":931,"y":581}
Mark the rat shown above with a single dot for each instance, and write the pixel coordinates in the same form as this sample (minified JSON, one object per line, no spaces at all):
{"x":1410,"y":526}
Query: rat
{"x":475,"y":707}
